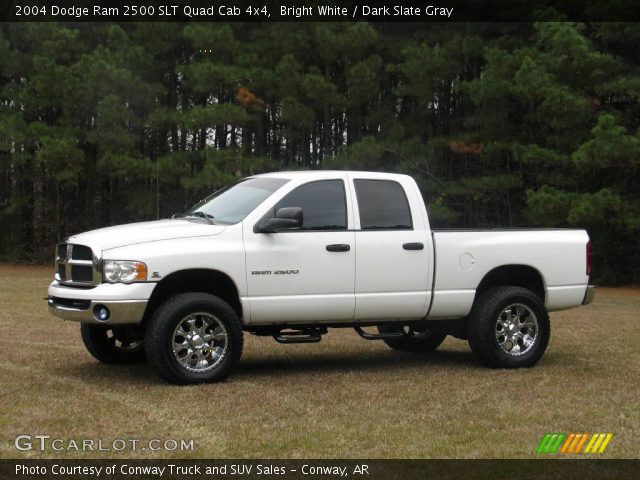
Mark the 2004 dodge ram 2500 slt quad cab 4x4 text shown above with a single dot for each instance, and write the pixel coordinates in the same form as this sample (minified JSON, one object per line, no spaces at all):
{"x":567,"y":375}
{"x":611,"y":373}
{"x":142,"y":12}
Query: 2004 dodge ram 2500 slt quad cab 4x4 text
{"x":291,"y":254}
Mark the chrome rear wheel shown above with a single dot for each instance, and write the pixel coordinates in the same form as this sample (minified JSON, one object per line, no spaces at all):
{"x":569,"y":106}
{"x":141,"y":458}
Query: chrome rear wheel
{"x":508,"y":327}
{"x":516,"y":329}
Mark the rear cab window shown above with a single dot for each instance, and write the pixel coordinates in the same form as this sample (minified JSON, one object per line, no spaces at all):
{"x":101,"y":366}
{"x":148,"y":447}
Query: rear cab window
{"x":383,"y":205}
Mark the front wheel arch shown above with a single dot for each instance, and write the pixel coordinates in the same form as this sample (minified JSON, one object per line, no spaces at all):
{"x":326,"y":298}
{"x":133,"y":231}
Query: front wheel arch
{"x":194,"y":280}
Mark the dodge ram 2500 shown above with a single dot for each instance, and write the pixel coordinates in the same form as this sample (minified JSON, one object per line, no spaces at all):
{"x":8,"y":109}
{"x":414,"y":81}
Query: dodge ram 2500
{"x":290,"y":254}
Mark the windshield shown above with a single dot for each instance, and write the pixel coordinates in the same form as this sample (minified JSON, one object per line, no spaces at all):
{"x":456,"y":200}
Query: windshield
{"x":232,"y":203}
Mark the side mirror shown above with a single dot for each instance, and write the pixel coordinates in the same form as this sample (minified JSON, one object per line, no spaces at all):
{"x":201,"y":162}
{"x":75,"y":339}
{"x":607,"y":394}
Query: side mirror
{"x":286,"y":218}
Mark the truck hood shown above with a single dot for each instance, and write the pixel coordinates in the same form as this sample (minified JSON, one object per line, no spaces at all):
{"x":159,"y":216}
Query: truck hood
{"x":143,"y":232}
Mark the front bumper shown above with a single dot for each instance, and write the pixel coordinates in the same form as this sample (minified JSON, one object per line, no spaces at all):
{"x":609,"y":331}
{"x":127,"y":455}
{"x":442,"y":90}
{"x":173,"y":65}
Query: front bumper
{"x":589,"y":294}
{"x":126,"y":303}
{"x":120,"y":312}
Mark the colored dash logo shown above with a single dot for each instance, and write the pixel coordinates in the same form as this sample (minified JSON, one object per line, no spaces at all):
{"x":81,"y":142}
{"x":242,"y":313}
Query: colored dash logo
{"x":553,"y":443}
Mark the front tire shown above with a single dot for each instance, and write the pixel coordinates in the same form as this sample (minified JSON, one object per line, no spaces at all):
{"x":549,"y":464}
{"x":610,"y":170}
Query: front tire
{"x":509,"y":328}
{"x":113,"y":345}
{"x":416,"y":338}
{"x":194,"y":338}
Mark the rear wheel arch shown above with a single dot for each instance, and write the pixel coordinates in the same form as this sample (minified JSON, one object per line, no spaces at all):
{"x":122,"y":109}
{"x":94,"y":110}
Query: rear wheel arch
{"x":515,"y":275}
{"x":201,"y":280}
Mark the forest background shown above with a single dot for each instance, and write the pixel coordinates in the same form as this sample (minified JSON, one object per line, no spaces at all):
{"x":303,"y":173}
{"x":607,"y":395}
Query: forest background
{"x":501,"y":124}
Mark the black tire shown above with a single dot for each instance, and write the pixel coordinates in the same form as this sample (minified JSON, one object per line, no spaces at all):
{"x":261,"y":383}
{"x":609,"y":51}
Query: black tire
{"x":159,"y":339}
{"x":113,"y":345}
{"x":483,"y":328}
{"x":417,"y":338}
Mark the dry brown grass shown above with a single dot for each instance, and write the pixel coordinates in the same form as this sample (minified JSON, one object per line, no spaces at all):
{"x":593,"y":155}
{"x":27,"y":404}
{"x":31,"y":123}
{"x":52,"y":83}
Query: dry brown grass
{"x":342,"y":398}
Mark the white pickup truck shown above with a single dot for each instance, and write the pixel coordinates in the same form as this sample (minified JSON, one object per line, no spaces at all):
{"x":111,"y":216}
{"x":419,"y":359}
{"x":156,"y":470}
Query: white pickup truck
{"x":290,"y":254}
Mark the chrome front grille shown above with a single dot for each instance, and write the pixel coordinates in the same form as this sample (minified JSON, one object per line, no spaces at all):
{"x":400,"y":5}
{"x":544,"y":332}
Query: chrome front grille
{"x":77,"y":265}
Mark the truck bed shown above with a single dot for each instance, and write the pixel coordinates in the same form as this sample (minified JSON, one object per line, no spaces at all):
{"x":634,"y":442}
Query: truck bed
{"x":463,"y":257}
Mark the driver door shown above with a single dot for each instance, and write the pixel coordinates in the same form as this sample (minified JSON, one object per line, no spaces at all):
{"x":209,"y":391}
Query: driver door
{"x":306,"y":274}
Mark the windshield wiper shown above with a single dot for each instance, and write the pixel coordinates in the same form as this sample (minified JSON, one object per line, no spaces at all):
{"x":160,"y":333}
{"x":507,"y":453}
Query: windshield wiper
{"x":200,"y":214}
{"x":197,"y":214}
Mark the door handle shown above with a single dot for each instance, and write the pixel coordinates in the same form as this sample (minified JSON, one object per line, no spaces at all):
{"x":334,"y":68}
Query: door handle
{"x":413,"y":246}
{"x":338,"y":247}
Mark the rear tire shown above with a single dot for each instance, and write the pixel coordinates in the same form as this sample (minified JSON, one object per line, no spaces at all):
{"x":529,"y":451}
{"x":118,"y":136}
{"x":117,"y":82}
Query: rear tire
{"x":509,"y":328}
{"x":112,"y":345}
{"x":194,"y":338}
{"x":417,"y":338}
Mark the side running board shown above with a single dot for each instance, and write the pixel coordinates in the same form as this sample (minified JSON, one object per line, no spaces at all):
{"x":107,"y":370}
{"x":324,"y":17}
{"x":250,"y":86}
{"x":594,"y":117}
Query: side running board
{"x":307,"y":335}
{"x":377,"y":336}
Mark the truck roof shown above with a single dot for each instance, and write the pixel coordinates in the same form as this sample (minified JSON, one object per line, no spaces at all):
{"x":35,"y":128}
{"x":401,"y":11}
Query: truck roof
{"x":297,"y":174}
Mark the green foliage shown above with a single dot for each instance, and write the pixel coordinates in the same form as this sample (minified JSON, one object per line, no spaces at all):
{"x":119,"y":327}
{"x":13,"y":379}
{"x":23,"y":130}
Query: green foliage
{"x":62,"y":157}
{"x":296,"y":115}
{"x":609,"y":147}
{"x":208,"y":116}
{"x":500,"y":124}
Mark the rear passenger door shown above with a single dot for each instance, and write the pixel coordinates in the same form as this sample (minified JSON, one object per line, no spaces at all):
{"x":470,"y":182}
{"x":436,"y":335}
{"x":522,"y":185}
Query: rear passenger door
{"x":392,"y":256}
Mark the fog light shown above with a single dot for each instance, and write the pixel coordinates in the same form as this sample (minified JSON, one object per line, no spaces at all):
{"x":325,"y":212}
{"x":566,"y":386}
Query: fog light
{"x":101,"y":313}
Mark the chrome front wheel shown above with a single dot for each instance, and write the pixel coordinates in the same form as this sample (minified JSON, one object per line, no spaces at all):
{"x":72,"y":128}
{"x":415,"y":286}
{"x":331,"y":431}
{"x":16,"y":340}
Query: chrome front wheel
{"x":194,"y":338}
{"x":200,"y":342}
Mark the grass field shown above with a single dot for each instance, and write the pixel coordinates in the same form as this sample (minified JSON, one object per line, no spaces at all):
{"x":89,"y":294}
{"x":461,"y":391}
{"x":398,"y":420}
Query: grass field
{"x":342,"y":398}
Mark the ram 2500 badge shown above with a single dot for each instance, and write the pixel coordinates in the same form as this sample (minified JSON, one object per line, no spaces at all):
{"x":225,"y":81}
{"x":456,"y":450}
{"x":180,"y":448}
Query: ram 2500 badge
{"x":291,"y":254}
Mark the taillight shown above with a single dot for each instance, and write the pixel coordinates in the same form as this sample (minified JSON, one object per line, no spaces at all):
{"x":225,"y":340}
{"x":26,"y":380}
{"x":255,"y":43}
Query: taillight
{"x":589,"y":258}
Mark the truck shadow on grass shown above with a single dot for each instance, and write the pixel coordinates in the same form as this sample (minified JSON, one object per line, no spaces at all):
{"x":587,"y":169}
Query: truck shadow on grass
{"x":287,"y":364}
{"x":356,"y":362}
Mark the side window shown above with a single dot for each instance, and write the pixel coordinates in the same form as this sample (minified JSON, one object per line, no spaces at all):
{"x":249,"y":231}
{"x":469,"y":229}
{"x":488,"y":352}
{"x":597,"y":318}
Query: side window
{"x":324,"y":205}
{"x":383,"y":205}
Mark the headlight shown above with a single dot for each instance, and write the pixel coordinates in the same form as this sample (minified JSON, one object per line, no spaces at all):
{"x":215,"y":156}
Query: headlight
{"x":125,"y":271}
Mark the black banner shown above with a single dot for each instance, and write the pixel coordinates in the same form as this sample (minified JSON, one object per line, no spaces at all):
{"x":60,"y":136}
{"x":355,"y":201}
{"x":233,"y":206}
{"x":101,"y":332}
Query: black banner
{"x":319,"y":10}
{"x":326,"y":469}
